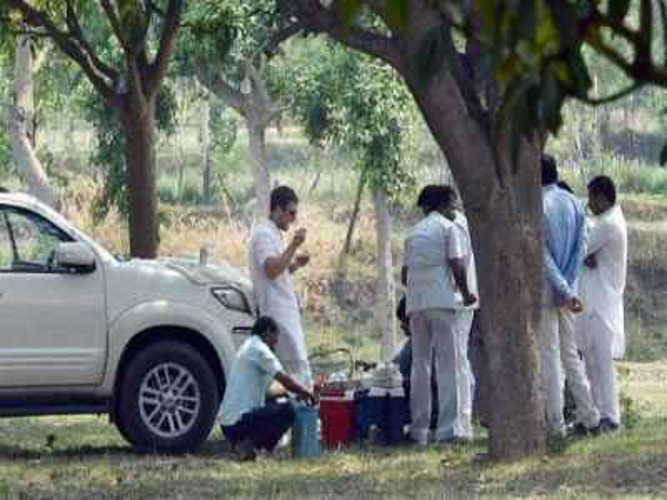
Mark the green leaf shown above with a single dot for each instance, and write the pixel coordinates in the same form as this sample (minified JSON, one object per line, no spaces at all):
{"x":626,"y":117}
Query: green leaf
{"x":527,"y":19}
{"x":551,"y":102}
{"x":397,"y":14}
{"x":348,"y":9}
{"x":578,"y":72}
{"x":618,"y":9}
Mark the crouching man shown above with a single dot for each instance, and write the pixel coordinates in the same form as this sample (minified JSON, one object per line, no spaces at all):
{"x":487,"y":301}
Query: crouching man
{"x":247,"y":421}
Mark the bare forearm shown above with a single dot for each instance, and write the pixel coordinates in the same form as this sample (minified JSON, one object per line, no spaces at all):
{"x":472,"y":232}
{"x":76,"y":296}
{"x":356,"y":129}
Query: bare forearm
{"x":275,"y":266}
{"x":293,"y":386}
{"x":460,"y":275}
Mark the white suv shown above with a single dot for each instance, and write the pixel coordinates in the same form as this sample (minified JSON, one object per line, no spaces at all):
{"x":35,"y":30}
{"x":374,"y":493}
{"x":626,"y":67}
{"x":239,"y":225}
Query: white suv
{"x":148,"y":342}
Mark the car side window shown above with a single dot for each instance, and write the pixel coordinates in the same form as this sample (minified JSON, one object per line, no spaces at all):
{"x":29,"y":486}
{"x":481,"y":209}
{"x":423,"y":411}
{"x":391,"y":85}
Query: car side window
{"x":28,"y":242}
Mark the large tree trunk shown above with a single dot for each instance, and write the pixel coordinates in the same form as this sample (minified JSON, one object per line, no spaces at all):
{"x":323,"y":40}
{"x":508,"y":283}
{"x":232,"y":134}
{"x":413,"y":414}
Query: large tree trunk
{"x":139,"y":130}
{"x":22,"y":126}
{"x":260,"y":171}
{"x":508,"y":243}
{"x":504,"y":207}
{"x":385,"y":288}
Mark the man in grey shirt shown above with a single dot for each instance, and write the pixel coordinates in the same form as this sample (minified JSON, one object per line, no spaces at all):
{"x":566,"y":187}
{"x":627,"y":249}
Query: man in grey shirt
{"x":434,"y":273}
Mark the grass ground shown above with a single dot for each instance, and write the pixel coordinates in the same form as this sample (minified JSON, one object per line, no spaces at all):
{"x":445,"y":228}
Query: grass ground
{"x":83,"y":457}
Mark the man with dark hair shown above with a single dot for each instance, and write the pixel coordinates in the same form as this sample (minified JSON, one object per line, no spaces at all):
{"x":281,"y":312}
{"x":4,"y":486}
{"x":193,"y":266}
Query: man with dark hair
{"x":600,"y":331}
{"x":247,"y":421}
{"x":272,"y":265}
{"x":282,"y":197}
{"x":434,"y":273}
{"x":564,"y":247}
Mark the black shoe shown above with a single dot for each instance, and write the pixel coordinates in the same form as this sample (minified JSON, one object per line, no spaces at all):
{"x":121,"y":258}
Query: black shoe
{"x":607,"y":426}
{"x":580,"y":430}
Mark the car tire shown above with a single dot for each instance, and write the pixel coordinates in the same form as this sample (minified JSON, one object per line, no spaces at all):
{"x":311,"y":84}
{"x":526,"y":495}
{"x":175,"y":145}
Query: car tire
{"x":168,"y":399}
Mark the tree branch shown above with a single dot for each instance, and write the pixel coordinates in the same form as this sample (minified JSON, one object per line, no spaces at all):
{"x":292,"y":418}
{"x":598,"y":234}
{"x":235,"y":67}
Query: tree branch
{"x":613,"y":97}
{"x":114,"y":22}
{"x":280,"y":36}
{"x":319,"y":19}
{"x":259,"y":84}
{"x":167,"y":44}
{"x":223,"y":90}
{"x":64,"y":41}
{"x":76,"y":32}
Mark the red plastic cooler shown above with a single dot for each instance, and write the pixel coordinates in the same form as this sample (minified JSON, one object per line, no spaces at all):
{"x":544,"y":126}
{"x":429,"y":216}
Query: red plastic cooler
{"x":337,"y":416}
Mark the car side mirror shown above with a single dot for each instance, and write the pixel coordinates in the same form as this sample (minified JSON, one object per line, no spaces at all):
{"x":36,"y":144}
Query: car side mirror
{"x":75,"y":256}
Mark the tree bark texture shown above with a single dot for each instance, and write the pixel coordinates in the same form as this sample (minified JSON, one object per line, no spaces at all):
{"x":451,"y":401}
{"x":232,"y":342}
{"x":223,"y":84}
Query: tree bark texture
{"x":260,"y":171}
{"x":139,"y":128}
{"x":22,"y":126}
{"x":385,"y":288}
{"x":207,"y":149}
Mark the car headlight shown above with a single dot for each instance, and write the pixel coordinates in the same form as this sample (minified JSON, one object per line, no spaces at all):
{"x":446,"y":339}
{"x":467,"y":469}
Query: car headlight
{"x":231,"y":298}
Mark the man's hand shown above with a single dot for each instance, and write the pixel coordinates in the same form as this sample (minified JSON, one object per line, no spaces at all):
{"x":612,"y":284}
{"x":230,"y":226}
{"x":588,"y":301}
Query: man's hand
{"x":302,"y":260}
{"x":591,"y":261}
{"x":469,"y":299}
{"x":299,"y":237}
{"x":299,"y":261}
{"x":309,"y":398}
{"x":574,"y":304}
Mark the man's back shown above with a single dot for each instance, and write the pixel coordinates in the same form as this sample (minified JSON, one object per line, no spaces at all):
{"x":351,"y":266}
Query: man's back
{"x":429,"y":245}
{"x":564,"y":236}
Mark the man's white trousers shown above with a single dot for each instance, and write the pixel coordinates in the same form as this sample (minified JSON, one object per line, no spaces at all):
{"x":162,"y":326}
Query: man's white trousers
{"x":595,"y":343}
{"x":446,"y":332}
{"x":558,"y":353}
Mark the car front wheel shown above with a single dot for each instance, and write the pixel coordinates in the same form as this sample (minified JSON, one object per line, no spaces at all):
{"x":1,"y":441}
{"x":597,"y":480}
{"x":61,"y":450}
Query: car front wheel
{"x":168,"y":398}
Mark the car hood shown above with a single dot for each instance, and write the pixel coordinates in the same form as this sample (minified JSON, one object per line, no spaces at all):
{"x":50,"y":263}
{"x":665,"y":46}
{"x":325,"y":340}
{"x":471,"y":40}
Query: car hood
{"x":135,"y":281}
{"x":218,"y":272}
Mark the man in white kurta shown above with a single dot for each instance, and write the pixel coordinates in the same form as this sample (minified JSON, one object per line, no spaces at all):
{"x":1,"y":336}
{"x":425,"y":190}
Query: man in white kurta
{"x":272,"y":264}
{"x":434,"y":273}
{"x":600,"y":332}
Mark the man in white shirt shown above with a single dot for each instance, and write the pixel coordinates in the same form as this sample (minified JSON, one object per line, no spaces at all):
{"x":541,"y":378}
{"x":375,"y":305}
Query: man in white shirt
{"x":600,"y":332}
{"x":247,"y":421}
{"x":434,"y":272}
{"x":462,"y":387}
{"x":272,"y":265}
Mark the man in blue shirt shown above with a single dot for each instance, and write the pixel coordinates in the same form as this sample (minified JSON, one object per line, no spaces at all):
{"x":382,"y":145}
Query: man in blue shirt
{"x":564,"y":251}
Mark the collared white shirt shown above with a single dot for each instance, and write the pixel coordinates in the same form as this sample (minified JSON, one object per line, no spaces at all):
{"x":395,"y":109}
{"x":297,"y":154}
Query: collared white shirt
{"x":461,"y":225}
{"x":602,"y":287}
{"x":252,"y":372}
{"x":428,"y":246}
{"x":276,"y":298}
{"x":267,"y":241}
